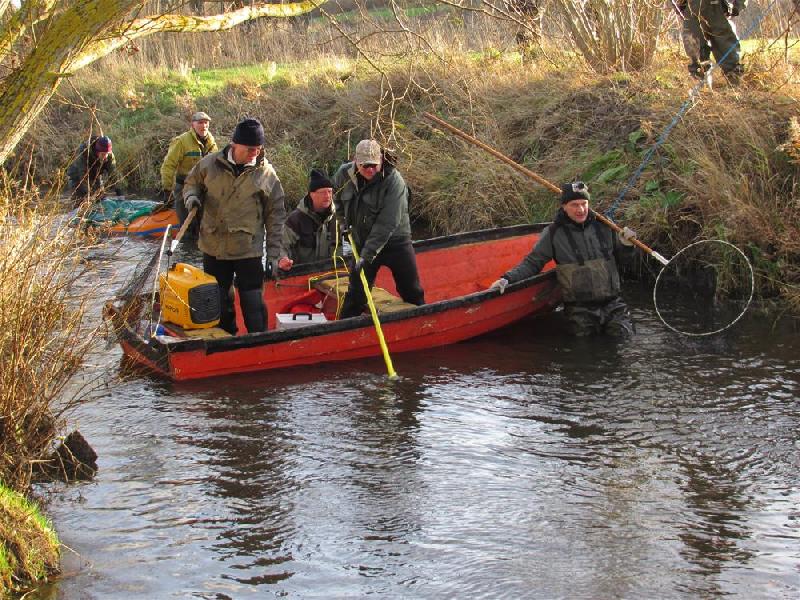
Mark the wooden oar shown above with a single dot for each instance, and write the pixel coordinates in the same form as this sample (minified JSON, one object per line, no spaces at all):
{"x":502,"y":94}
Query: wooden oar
{"x":181,"y":231}
{"x":540,"y":180}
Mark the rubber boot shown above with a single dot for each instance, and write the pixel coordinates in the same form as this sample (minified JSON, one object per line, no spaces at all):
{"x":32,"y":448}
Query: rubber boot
{"x":227,"y":313}
{"x":253,"y":310}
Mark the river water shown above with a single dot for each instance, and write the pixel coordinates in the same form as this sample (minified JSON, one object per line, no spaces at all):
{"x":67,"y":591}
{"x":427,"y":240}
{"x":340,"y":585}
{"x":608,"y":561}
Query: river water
{"x":523,"y":464}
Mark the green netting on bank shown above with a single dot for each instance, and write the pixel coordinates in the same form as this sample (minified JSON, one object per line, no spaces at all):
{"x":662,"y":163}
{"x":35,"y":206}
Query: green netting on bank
{"x":111,"y":211}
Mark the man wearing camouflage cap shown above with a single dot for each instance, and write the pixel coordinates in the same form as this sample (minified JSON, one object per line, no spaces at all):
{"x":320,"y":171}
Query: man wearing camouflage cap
{"x":371,"y":198}
{"x":185,"y":151}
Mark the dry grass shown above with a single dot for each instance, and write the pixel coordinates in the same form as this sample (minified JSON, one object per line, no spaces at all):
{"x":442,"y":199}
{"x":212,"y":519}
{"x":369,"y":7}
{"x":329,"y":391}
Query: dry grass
{"x":43,"y":332}
{"x":720,"y":174}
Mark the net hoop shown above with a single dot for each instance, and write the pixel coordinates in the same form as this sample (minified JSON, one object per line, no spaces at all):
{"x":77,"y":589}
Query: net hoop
{"x":721,"y":329}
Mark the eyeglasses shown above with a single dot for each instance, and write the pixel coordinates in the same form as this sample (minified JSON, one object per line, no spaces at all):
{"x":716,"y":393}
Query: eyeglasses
{"x":370,"y":166}
{"x":579,"y":186}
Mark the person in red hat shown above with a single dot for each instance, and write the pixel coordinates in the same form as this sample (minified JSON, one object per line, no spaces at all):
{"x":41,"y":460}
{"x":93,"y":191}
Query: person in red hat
{"x":93,"y":169}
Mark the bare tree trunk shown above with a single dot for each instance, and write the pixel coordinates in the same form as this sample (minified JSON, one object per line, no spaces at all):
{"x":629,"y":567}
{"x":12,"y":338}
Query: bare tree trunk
{"x":29,"y":88}
{"x":91,"y":29}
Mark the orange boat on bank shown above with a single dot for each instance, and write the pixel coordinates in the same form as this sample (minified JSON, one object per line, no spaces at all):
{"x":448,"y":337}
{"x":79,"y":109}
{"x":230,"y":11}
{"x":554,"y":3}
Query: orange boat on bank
{"x":148,"y":225}
{"x":455,"y":272}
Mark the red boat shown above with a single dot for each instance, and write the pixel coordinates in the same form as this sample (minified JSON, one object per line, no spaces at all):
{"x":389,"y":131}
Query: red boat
{"x":455,"y":271}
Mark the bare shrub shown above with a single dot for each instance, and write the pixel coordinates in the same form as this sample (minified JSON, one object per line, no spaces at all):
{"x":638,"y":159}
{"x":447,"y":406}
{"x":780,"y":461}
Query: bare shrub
{"x":613,"y":35}
{"x":44,"y":336}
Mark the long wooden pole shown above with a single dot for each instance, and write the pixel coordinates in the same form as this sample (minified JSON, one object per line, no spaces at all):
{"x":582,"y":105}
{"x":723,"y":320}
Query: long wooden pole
{"x":537,"y":178}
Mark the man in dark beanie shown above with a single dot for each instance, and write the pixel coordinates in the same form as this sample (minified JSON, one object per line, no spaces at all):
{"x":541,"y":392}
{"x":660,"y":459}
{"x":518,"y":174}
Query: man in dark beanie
{"x":585,"y":252}
{"x":309,"y":232}
{"x":242,"y":201}
{"x":92,"y":169}
{"x":372,"y":200}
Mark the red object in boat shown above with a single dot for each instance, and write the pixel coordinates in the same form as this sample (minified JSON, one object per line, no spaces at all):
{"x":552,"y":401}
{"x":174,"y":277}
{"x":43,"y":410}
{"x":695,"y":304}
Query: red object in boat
{"x":455,"y":272}
{"x":148,"y":225}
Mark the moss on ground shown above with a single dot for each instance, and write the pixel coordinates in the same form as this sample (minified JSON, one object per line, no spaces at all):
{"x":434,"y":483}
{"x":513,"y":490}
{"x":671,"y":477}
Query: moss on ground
{"x":29,"y":547}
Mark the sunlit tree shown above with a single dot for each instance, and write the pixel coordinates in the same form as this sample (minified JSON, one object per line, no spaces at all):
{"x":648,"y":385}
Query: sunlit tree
{"x":44,"y":41}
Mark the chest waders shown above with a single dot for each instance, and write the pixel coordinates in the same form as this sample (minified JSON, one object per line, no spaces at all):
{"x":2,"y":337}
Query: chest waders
{"x":593,"y":280}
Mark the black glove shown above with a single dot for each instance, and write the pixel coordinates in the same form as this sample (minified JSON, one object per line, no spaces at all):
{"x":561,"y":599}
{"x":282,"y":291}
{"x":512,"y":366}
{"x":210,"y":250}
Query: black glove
{"x":357,"y":268}
{"x":164,"y":197}
{"x":191,"y":202}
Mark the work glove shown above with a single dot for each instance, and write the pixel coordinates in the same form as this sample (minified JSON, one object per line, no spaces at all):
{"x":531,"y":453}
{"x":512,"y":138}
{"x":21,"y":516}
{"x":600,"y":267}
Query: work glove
{"x":357,"y":268}
{"x":500,"y":284}
{"x":191,"y":202}
{"x":626,"y":236}
{"x":270,"y":268}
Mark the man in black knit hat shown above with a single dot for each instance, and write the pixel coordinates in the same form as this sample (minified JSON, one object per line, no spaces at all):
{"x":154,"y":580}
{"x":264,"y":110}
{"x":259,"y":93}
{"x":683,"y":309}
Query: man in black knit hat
{"x":309,"y":232}
{"x":586,"y":253}
{"x":242,"y":201}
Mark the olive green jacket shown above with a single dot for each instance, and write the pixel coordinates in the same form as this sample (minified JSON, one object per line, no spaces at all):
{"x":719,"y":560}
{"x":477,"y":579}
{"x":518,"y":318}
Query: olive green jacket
{"x":239,"y":212}
{"x":376,"y":211}
{"x":185,"y":151}
{"x":596,"y":246}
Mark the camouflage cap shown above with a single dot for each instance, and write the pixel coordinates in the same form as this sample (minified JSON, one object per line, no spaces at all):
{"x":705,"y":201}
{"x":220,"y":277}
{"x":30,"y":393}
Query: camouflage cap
{"x":200,"y":116}
{"x":368,"y":152}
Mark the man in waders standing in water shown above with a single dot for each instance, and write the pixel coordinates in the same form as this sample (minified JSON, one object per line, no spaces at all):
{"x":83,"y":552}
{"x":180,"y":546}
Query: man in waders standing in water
{"x":585,"y":252}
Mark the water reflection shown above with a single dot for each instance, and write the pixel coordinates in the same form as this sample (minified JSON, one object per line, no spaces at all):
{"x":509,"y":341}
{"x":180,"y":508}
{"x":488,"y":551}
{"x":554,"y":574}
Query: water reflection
{"x":525,"y":464}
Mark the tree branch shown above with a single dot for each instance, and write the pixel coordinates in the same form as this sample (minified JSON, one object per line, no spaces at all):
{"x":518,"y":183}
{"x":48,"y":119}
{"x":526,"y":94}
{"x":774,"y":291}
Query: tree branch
{"x":145,"y":26}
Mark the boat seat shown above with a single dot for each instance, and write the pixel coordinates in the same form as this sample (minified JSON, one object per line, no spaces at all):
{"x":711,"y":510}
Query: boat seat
{"x":385,"y":302}
{"x":208,"y":333}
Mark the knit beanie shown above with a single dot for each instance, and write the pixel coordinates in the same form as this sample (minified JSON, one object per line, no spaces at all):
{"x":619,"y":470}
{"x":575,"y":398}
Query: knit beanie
{"x":577,"y":190}
{"x":318,"y":180}
{"x":249,"y":133}
{"x":102,"y":144}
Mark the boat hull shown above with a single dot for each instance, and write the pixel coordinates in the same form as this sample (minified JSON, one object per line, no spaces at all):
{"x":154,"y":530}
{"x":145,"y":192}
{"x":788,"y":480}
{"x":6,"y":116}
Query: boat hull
{"x":455,"y":272}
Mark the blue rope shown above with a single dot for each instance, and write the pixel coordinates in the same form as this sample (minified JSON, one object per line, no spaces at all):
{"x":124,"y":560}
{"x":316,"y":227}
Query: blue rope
{"x":693,"y":93}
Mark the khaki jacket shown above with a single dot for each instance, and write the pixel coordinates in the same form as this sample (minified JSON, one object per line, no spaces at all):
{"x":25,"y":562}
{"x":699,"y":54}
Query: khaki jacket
{"x":185,"y":151}
{"x":239,"y":212}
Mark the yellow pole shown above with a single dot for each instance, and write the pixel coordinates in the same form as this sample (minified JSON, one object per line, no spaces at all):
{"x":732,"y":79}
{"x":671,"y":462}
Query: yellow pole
{"x":375,"y":321}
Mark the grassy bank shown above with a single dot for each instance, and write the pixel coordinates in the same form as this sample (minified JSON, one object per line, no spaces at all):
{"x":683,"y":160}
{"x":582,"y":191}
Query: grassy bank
{"x":44,"y":339}
{"x":723,"y":173}
{"x":29,"y":547}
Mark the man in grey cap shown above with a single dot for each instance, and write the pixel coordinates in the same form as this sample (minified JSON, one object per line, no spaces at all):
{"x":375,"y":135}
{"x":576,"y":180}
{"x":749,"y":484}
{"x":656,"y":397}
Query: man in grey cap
{"x":185,"y":151}
{"x":371,"y":198}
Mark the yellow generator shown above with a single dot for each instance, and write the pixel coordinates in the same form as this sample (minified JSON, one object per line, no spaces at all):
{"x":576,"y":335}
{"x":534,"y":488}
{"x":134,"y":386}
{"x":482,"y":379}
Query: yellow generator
{"x":189,"y":297}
